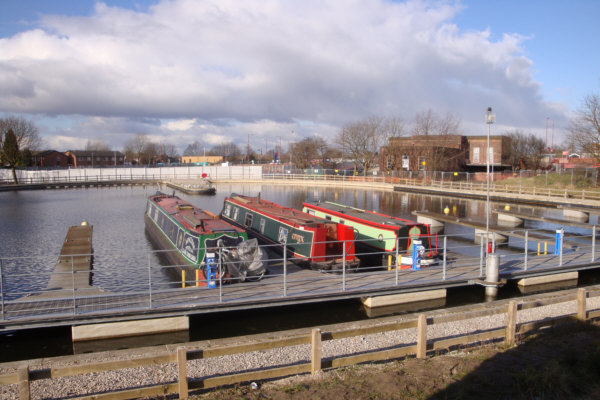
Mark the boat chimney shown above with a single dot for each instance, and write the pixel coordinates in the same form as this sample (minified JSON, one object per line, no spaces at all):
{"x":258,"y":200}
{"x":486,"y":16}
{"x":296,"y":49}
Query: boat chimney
{"x":258,"y":197}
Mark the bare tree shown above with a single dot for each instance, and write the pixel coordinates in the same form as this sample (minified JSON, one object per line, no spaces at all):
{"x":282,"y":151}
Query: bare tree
{"x":150,"y":153}
{"x":429,"y":123}
{"x":526,"y":151}
{"x":584,"y":129}
{"x":361,"y":141}
{"x":134,"y":148}
{"x":307,"y":150}
{"x":229,"y":151}
{"x":192,"y":149}
{"x":25,"y":131}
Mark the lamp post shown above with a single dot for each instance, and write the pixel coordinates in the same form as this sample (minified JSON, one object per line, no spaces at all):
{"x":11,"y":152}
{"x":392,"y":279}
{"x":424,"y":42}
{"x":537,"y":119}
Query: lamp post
{"x":490,"y":118}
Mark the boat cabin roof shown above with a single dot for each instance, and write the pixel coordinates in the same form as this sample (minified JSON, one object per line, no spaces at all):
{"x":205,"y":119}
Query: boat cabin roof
{"x":192,"y":217}
{"x":357,"y":213}
{"x":288,"y":214}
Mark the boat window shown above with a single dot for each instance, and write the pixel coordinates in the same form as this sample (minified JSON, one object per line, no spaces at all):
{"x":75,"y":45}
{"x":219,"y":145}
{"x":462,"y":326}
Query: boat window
{"x":342,"y":221}
{"x":328,"y":217}
{"x":311,"y":212}
{"x":227,"y":210}
{"x":236,"y":211}
{"x":248,"y":221}
{"x":262,"y":225}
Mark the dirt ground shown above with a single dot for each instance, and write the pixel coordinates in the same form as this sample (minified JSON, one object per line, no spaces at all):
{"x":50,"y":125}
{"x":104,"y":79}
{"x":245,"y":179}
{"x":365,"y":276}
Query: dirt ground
{"x":563,"y":363}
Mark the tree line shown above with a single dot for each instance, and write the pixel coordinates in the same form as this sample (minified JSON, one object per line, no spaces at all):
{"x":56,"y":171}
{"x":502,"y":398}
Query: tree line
{"x":358,"y":142}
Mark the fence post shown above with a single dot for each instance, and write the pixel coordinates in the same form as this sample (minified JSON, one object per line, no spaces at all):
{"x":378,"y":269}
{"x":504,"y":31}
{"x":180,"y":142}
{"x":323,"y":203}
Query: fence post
{"x":315,"y":354}
{"x":24,"y":389}
{"x":511,"y":323}
{"x":2,"y":288}
{"x":526,"y":250}
{"x":421,"y":336}
{"x":284,"y":269}
{"x":582,"y":304}
{"x":182,"y":372}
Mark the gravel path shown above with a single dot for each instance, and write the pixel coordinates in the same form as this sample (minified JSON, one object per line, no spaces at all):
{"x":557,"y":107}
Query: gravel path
{"x":127,"y":378}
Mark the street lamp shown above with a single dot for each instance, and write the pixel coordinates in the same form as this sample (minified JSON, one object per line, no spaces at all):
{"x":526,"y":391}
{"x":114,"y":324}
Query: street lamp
{"x":490,"y":118}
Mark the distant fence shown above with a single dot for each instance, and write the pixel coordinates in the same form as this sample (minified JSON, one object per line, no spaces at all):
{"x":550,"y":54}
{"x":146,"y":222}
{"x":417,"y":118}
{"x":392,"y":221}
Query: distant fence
{"x":21,"y":378}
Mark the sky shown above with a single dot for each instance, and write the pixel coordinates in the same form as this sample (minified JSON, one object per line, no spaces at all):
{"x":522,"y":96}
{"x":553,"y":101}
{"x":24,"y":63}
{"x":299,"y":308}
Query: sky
{"x":269,"y":72}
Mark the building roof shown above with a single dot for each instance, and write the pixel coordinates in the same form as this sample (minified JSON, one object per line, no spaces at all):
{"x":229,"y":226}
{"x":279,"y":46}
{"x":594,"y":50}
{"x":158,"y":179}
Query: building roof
{"x":95,"y":153}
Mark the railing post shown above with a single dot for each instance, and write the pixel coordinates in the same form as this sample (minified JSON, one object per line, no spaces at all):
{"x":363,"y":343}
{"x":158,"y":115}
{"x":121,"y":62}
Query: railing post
{"x":481,"y":256}
{"x":593,"y":243}
{"x":581,"y":304}
{"x":421,"y":336}
{"x":220,"y":275}
{"x":73,"y":282}
{"x":344,"y":266}
{"x":315,"y":353}
{"x":2,"y":288}
{"x":182,"y":379}
{"x":398,"y":260}
{"x":149,"y":283}
{"x":526,"y":250}
{"x":511,"y":323}
{"x":444,"y":262}
{"x":284,"y":269}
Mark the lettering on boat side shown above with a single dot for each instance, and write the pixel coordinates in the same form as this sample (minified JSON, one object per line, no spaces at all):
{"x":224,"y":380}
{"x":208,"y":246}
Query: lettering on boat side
{"x":297,"y":238}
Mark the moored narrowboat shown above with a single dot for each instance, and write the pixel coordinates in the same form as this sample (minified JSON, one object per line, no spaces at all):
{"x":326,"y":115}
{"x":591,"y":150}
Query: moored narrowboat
{"x":200,"y":240}
{"x":379,"y":232}
{"x":309,"y":240}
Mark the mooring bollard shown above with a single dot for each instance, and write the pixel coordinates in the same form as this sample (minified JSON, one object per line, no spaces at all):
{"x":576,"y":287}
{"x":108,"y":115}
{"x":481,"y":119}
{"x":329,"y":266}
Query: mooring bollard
{"x":492,"y":263}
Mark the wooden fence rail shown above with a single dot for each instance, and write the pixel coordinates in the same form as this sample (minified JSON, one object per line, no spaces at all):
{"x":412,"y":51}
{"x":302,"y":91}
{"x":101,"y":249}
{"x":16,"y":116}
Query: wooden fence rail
{"x":510,"y":332}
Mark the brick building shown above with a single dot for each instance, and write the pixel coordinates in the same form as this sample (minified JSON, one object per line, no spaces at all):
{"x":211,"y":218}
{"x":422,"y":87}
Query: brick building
{"x":425,"y":152}
{"x":499,"y":150}
{"x":49,"y":158}
{"x":93,"y":158}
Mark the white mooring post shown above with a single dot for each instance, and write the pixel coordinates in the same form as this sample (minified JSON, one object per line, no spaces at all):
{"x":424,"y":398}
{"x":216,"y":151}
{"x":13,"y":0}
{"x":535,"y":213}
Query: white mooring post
{"x":149,"y":283}
{"x":593,"y":242}
{"x":344,"y":266}
{"x":398,"y":259}
{"x":526,"y":250}
{"x":492,"y":263}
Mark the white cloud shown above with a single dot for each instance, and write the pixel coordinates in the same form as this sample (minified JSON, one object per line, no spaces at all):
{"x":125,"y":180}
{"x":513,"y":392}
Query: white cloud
{"x":264,"y":65}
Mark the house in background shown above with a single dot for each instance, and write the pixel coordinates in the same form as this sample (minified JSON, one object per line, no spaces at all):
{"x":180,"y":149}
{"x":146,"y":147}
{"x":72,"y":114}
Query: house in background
{"x":499,"y":153}
{"x":424,"y":152}
{"x":49,"y":159}
{"x":85,"y":158}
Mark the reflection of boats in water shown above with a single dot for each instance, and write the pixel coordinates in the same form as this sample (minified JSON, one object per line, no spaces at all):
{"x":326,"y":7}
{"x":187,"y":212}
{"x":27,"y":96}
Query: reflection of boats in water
{"x":201,"y":240}
{"x":309,"y":240}
{"x":195,"y":186}
{"x":379,"y":232}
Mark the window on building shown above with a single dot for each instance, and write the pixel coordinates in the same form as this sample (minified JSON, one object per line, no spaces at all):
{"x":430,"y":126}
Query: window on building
{"x":475,"y":155}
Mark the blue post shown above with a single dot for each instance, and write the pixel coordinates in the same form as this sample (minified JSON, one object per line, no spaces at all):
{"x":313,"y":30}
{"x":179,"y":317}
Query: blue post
{"x":416,"y":256}
{"x":558,"y":242}
{"x":211,"y":270}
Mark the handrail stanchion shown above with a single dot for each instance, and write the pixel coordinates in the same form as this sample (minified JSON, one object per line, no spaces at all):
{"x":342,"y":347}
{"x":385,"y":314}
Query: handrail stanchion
{"x":398,"y":260}
{"x":562,"y":233}
{"x":284,"y":269}
{"x":344,"y":266}
{"x":444,"y":263}
{"x":481,"y":256}
{"x":2,"y":288}
{"x":526,"y":250}
{"x":593,"y":244}
{"x":220,"y":274}
{"x":73,"y":281}
{"x":149,"y":283}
